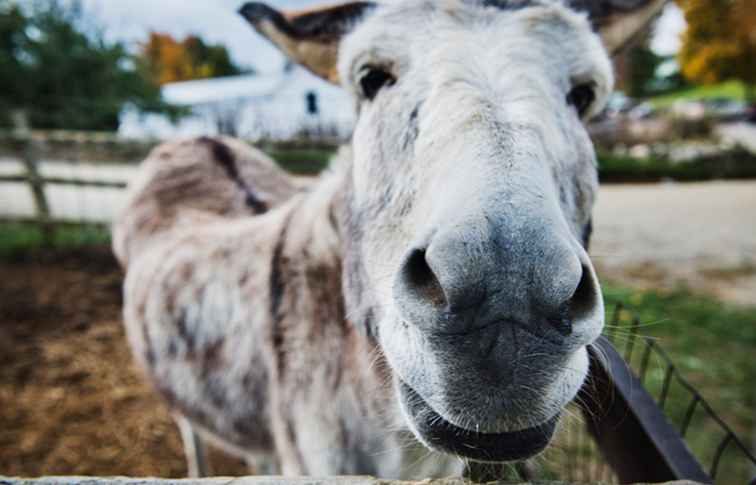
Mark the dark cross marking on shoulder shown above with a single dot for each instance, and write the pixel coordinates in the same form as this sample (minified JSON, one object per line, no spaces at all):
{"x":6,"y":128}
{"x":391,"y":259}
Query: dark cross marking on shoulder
{"x":225,"y":158}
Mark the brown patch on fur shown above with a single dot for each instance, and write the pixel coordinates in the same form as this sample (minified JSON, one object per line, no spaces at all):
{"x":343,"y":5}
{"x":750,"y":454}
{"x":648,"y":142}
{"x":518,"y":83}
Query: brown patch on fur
{"x":213,"y":357}
{"x":149,"y":351}
{"x":168,"y":395}
{"x":293,"y":440}
{"x":332,"y":219}
{"x":186,"y":271}
{"x":184,"y":333}
{"x":217,"y":398}
{"x":244,"y":277}
{"x":248,"y":381}
{"x":172,"y":349}
{"x":170,"y":301}
{"x":245,"y":428}
{"x":277,"y":289}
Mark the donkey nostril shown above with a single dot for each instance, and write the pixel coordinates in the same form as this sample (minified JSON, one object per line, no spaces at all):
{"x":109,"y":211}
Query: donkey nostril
{"x":579,"y":307}
{"x":583,"y":301}
{"x":420,"y":280}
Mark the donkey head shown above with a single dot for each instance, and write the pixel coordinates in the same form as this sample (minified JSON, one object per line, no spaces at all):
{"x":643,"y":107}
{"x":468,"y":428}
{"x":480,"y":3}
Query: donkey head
{"x":468,"y":200}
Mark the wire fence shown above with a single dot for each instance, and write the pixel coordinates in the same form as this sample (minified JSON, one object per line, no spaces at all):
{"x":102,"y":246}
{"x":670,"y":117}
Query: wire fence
{"x":725,"y":457}
{"x":721,"y":453}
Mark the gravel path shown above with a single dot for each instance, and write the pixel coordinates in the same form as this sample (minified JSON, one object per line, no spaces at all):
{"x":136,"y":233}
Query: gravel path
{"x":700,"y":234}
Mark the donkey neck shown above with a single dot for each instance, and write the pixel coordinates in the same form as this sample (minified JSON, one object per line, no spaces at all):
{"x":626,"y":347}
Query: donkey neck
{"x":314,"y":269}
{"x":311,"y":236}
{"x":306,"y":265}
{"x":308,"y":308}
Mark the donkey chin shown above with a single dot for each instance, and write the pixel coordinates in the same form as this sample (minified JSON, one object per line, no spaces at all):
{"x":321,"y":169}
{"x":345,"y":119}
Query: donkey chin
{"x":484,"y":409}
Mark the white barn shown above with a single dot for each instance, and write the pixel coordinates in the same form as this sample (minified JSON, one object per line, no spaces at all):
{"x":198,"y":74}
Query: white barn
{"x":271,"y":106}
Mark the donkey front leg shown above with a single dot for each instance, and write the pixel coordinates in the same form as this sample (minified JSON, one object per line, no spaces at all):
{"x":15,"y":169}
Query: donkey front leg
{"x":194,"y":448}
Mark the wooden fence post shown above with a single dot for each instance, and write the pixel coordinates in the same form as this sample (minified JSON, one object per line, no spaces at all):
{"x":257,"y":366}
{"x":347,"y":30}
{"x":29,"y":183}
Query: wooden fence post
{"x":37,"y":186}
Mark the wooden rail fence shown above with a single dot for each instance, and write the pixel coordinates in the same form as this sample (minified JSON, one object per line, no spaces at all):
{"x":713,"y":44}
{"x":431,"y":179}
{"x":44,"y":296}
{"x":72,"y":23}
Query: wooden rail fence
{"x":25,"y":149}
{"x":28,"y":150}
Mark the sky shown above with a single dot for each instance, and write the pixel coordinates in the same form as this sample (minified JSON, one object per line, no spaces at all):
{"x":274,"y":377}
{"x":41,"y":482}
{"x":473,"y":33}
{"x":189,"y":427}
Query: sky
{"x":215,"y":20}
{"x":667,"y":31}
{"x":218,"y":22}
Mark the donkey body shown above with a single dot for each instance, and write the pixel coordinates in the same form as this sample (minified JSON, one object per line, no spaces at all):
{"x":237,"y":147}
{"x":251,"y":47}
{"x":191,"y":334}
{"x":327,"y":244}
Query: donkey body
{"x":261,"y":359}
{"x":430,"y":291}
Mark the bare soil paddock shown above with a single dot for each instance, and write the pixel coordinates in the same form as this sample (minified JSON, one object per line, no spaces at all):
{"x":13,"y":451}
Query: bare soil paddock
{"x":71,"y":399}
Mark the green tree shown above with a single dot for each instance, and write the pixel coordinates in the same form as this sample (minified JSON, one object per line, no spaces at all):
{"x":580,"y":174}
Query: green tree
{"x":63,"y":74}
{"x":13,"y":40}
{"x":643,"y":64}
{"x":644,"y":78}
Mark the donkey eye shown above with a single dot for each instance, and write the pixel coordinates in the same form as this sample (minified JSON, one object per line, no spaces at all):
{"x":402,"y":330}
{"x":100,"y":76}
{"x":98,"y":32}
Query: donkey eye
{"x":372,"y":79}
{"x":581,"y":97}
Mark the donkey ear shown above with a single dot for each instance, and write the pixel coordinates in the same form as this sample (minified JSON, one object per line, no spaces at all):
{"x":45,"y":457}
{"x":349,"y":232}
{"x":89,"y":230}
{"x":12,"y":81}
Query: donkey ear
{"x":618,"y":21}
{"x":309,"y":37}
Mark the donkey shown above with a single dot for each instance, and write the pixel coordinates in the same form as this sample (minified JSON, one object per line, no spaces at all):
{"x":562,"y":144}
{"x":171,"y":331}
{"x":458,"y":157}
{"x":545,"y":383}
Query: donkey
{"x":432,"y":291}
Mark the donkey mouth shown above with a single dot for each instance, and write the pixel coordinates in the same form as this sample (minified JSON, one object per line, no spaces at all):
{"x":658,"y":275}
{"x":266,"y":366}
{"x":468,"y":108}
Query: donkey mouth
{"x":441,"y":435}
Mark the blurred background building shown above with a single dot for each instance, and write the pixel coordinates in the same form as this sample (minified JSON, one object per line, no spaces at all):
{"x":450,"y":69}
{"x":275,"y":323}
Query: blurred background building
{"x":278,"y":106}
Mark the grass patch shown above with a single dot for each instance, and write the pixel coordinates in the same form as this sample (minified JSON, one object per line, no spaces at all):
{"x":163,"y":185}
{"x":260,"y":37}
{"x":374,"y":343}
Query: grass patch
{"x":735,"y":164}
{"x":730,"y":89}
{"x":302,"y":161}
{"x":711,"y":344}
{"x":20,"y":239}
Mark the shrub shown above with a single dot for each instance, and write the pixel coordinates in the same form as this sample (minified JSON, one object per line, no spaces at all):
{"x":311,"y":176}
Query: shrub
{"x":734,"y":164}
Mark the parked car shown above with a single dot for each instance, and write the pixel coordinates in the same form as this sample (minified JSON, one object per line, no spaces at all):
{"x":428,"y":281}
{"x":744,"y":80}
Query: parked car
{"x":750,"y":113}
{"x":689,"y":109}
{"x":642,"y":111}
{"x":725,"y":109}
{"x":619,"y":102}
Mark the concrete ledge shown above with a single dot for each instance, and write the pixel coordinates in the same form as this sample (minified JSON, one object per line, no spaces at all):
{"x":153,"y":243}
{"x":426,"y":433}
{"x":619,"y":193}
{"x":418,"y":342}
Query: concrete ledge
{"x":357,"y":480}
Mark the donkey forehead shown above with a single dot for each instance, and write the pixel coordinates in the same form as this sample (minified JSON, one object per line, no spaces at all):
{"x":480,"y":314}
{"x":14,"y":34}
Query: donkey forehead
{"x":483,"y":33}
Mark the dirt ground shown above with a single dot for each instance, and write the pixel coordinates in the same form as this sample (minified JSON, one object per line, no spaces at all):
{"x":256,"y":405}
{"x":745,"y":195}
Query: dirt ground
{"x":71,"y":399}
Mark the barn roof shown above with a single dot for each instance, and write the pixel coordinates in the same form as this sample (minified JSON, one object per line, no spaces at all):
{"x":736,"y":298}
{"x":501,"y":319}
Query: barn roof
{"x":206,"y":91}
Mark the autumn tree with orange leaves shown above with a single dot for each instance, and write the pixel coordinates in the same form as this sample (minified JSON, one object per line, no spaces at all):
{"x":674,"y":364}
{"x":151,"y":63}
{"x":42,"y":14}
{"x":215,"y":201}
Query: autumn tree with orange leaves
{"x":720,"y":42}
{"x":168,"y":60}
